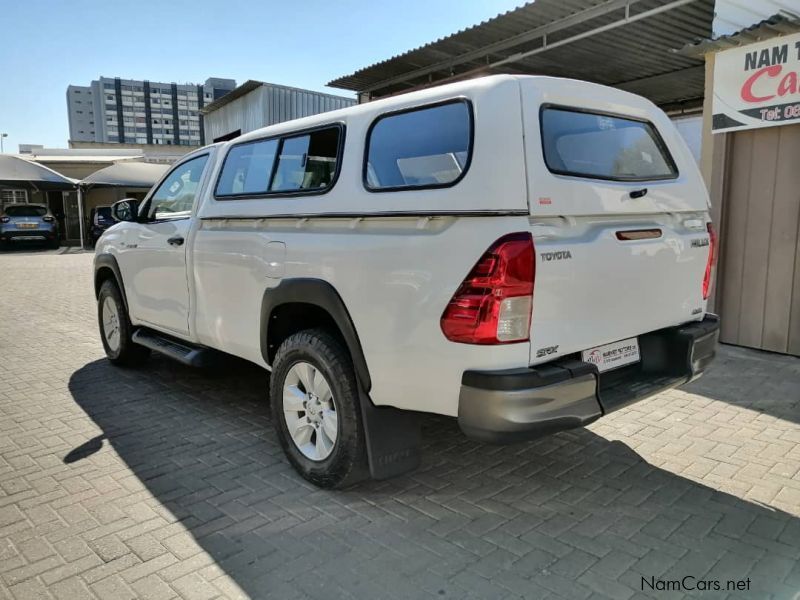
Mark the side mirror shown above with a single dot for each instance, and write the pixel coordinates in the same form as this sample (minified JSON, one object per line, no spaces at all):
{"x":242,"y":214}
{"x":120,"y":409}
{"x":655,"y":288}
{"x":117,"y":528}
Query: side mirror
{"x":126,"y":210}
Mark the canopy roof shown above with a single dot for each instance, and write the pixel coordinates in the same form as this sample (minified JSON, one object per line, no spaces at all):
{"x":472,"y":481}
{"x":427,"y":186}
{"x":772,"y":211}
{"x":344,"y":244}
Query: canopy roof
{"x":629,"y":44}
{"x":18,"y":172}
{"x":126,"y":174}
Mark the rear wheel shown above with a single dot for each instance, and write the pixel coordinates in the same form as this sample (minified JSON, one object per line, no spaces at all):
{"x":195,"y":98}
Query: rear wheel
{"x":315,"y":409}
{"x":116,"y":330}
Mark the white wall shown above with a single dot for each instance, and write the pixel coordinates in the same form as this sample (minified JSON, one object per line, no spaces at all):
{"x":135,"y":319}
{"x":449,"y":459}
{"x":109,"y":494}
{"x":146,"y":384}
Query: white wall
{"x":691,"y":130}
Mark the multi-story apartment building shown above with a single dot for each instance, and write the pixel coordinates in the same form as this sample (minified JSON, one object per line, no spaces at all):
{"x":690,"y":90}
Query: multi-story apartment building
{"x":141,"y":112}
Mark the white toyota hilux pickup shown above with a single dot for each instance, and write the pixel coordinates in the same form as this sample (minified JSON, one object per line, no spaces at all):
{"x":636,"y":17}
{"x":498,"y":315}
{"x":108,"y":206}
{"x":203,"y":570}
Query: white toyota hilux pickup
{"x":526,"y":254}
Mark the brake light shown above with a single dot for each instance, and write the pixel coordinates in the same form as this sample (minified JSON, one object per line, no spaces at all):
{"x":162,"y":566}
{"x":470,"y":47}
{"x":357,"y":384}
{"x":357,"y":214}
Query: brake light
{"x":48,"y":219}
{"x":493,"y":304}
{"x":712,"y":261}
{"x":4,"y":219}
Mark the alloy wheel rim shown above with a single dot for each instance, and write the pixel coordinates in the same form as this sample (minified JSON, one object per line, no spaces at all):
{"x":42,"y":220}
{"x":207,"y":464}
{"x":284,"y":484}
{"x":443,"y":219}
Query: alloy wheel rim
{"x":111,"y":323}
{"x":309,"y":411}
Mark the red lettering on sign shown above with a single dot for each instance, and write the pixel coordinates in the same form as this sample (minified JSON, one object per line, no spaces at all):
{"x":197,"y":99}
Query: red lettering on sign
{"x":747,"y":88}
{"x":788,"y":84}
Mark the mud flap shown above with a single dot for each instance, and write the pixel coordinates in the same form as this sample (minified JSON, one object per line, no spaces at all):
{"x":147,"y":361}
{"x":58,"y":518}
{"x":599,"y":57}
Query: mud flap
{"x":393,"y":437}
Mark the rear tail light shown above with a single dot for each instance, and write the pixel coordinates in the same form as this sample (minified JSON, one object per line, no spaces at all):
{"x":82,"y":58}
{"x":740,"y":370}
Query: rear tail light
{"x":4,"y":219}
{"x":711,"y":263}
{"x":48,"y":219}
{"x":493,"y":304}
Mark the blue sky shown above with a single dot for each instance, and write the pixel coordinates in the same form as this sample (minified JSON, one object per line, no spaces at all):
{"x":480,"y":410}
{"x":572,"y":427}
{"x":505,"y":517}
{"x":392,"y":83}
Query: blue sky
{"x":46,"y":45}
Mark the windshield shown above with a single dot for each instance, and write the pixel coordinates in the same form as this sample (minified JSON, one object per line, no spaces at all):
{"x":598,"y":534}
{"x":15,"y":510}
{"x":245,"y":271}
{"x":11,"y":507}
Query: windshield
{"x":26,"y":211}
{"x":104,"y":212}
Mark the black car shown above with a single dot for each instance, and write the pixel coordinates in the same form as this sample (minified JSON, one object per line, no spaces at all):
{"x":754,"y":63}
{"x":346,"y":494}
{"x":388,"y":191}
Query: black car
{"x":100,"y":219}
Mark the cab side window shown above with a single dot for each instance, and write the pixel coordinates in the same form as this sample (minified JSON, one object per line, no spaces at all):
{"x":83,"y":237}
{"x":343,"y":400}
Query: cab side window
{"x":175,"y":197}
{"x":305,"y":163}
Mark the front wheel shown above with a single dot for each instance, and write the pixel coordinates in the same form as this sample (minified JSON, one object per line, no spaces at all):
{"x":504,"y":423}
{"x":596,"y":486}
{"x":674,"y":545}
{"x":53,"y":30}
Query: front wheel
{"x":315,"y":409}
{"x":116,"y":330}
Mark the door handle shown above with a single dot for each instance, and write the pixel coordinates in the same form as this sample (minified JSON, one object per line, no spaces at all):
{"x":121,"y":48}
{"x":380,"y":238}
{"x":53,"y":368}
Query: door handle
{"x":175,"y":241}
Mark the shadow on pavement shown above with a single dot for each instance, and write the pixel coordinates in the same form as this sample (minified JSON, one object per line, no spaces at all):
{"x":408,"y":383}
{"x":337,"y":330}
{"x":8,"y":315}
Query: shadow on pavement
{"x":565,"y":516}
{"x":765,"y":382}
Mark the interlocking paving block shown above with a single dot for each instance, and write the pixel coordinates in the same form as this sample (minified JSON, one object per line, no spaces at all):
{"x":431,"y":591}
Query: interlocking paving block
{"x":166,"y":482}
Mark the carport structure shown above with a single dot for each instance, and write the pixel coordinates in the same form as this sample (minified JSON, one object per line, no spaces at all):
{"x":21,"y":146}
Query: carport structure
{"x":23,"y":180}
{"x":20,"y":174}
{"x":628,"y":44}
{"x":118,"y":181}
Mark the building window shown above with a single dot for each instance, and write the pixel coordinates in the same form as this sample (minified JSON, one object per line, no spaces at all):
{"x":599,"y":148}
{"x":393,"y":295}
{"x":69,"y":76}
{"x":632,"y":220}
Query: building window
{"x":13,"y":197}
{"x":419,"y":148}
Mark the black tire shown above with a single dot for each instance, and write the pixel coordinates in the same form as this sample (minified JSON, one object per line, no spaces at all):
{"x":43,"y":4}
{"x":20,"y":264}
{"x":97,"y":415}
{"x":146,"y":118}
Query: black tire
{"x":127,"y":353}
{"x":54,"y":245}
{"x":347,"y":462}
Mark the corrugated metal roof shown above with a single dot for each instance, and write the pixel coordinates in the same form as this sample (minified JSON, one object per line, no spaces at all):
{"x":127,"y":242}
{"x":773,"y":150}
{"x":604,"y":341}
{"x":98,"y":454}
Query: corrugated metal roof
{"x":237,"y":92}
{"x":780,"y":24}
{"x":251,"y":84}
{"x":731,"y":16}
{"x":624,"y":43}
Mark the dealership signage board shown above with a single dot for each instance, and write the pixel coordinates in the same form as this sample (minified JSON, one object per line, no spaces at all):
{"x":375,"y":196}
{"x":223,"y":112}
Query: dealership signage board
{"x":757,"y":85}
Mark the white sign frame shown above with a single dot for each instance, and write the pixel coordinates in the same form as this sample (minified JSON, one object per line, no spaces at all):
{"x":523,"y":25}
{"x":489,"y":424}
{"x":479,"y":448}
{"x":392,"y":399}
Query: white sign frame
{"x":757,"y":85}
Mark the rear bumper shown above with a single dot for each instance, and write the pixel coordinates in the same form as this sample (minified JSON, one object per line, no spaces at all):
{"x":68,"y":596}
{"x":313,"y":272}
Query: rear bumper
{"x":27,"y":235}
{"x":522,"y":404}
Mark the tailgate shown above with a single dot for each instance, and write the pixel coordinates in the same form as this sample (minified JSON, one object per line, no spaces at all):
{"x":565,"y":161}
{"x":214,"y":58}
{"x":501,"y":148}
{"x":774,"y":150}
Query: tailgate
{"x":593,"y":288}
{"x":618,"y":211}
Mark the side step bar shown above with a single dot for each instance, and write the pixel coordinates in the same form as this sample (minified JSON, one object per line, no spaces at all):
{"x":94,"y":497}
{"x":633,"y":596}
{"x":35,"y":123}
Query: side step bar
{"x":183,"y":352}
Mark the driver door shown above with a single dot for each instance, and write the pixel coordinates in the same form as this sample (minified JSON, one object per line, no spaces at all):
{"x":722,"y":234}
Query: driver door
{"x":154,"y":258}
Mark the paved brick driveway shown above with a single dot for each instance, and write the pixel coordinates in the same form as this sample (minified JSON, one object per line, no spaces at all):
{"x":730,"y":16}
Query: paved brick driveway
{"x":168,"y":482}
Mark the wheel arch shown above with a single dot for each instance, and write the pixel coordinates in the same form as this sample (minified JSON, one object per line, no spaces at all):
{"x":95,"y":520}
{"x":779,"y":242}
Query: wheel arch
{"x":325,"y":303}
{"x":106,"y":268}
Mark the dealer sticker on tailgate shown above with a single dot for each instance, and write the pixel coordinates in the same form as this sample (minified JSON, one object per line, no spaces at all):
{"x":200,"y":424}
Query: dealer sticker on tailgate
{"x":613,"y":355}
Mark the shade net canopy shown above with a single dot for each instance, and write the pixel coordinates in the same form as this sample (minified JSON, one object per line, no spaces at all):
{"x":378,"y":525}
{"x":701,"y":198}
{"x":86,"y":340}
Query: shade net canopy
{"x":126,"y":174}
{"x":16,"y":172}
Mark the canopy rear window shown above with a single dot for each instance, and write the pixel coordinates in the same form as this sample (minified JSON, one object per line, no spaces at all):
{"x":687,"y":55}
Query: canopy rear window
{"x":600,"y":146}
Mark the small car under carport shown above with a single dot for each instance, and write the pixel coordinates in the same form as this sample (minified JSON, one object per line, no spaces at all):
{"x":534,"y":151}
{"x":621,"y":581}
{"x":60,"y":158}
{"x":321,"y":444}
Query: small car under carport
{"x":25,"y":223}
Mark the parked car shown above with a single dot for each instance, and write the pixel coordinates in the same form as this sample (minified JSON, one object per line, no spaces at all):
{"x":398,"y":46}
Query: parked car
{"x":525,"y":254}
{"x":100,"y":219}
{"x":26,"y":223}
